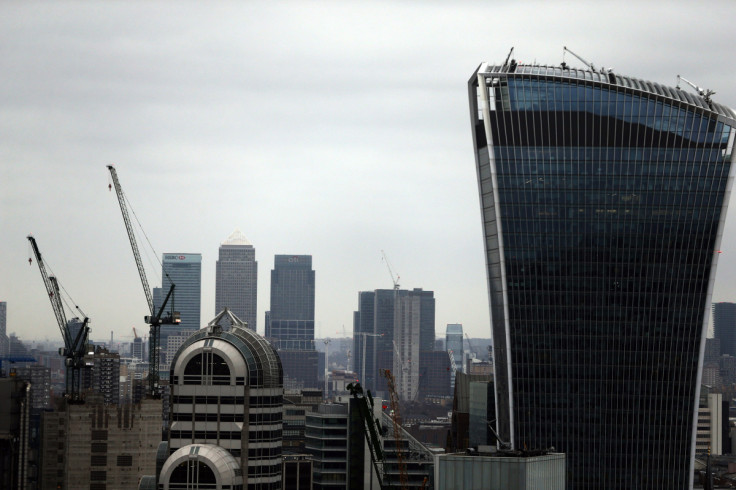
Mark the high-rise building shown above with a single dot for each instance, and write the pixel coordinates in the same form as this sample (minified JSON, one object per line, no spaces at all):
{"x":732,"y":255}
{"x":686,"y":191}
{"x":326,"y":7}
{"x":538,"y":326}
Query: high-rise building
{"x":226,"y":411}
{"x":393,"y":327}
{"x":184,"y":270}
{"x":3,"y":328}
{"x":602,"y":199}
{"x":236,"y":282}
{"x":290,"y":320}
{"x":724,"y":326}
{"x":454,"y":342}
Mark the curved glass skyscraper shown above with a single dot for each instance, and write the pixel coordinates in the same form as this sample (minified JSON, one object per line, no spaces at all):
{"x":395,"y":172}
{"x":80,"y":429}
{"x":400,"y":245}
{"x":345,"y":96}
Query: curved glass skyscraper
{"x":603,"y":199}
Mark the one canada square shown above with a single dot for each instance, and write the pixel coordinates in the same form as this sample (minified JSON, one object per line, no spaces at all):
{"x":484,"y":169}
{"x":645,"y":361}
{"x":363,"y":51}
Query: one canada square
{"x":603,"y":199}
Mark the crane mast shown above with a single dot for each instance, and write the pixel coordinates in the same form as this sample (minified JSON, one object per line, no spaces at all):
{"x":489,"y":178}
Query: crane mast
{"x":155,"y":320}
{"x":74,"y":348}
{"x":395,"y":417}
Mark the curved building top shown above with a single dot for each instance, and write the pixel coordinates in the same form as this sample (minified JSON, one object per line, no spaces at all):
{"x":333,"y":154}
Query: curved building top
{"x":262,"y":364}
{"x":609,"y":79}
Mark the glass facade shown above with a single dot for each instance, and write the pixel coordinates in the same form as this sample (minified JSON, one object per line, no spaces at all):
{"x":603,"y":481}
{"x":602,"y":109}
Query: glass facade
{"x":724,"y":327}
{"x":602,"y":199}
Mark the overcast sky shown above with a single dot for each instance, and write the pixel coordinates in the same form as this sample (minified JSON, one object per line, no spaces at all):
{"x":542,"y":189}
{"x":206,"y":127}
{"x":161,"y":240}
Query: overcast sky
{"x":336,"y":129}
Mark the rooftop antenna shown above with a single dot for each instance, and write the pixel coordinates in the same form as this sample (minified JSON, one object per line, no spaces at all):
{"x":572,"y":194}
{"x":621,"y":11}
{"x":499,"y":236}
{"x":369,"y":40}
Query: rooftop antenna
{"x":704,"y":93}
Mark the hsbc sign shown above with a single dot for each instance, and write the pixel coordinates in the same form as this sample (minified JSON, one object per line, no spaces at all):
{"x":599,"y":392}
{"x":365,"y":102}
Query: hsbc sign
{"x":183,"y":257}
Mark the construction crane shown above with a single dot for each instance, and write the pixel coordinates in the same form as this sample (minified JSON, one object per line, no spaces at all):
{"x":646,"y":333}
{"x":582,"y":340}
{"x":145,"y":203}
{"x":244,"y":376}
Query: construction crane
{"x":395,"y":418}
{"x":395,"y":280}
{"x":704,"y":93}
{"x":75,"y":346}
{"x":453,"y":365}
{"x":156,"y":319}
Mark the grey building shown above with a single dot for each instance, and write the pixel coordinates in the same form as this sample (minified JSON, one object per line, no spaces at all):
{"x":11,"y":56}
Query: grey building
{"x":389,"y":320}
{"x":102,"y":374}
{"x":454,"y":342}
{"x":3,"y":328}
{"x":327,"y":442}
{"x":184,"y":270}
{"x":226,"y":411}
{"x":236,"y":278}
{"x":603,"y":200}
{"x":492,"y":471}
{"x":724,"y":326}
{"x":290,"y":320}
{"x":40,"y":379}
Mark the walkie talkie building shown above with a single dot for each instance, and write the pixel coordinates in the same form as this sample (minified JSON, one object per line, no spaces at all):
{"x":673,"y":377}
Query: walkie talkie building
{"x":603,"y":200}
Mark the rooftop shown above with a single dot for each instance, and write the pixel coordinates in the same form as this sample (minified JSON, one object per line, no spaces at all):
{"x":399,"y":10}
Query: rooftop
{"x":609,"y":78}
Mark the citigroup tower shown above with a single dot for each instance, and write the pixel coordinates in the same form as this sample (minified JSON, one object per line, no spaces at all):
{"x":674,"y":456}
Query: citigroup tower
{"x":603,"y":200}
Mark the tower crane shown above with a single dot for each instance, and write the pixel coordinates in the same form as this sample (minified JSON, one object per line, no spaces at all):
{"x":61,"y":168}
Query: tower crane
{"x":156,"y":319}
{"x":395,"y":280}
{"x":395,"y":418}
{"x":75,"y":346}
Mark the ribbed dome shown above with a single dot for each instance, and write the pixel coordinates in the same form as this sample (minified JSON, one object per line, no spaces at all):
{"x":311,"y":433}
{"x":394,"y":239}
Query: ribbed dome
{"x":236,"y":238}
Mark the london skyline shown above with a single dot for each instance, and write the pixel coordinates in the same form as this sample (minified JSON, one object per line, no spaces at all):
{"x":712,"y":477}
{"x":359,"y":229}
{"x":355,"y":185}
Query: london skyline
{"x":336,"y":132}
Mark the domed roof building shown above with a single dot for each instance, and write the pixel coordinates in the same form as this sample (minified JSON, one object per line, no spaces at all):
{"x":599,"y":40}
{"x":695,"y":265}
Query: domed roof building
{"x":226,"y":407}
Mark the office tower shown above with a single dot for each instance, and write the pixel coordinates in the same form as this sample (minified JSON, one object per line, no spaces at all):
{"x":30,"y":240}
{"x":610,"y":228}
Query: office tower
{"x":603,"y":201}
{"x":226,"y":411}
{"x":185,"y":271}
{"x":454,"y":342}
{"x":435,"y":375}
{"x":724,"y":326}
{"x":3,"y":328}
{"x":236,"y":283}
{"x":392,"y":327}
{"x":330,"y":460}
{"x":290,"y":320}
{"x":136,"y":349}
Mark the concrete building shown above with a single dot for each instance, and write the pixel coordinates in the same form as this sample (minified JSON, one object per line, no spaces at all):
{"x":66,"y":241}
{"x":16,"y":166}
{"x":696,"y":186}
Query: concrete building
{"x":102,"y":375}
{"x":99,"y":446}
{"x":327,"y":442}
{"x":40,"y":379}
{"x":290,"y":320}
{"x":710,"y":428}
{"x":491,"y":471}
{"x":236,"y":278}
{"x":226,"y":411}
{"x":296,"y":406}
{"x":603,"y":200}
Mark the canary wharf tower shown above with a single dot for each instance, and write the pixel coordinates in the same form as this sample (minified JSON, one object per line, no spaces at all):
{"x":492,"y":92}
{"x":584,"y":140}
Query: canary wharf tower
{"x":603,"y":200}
